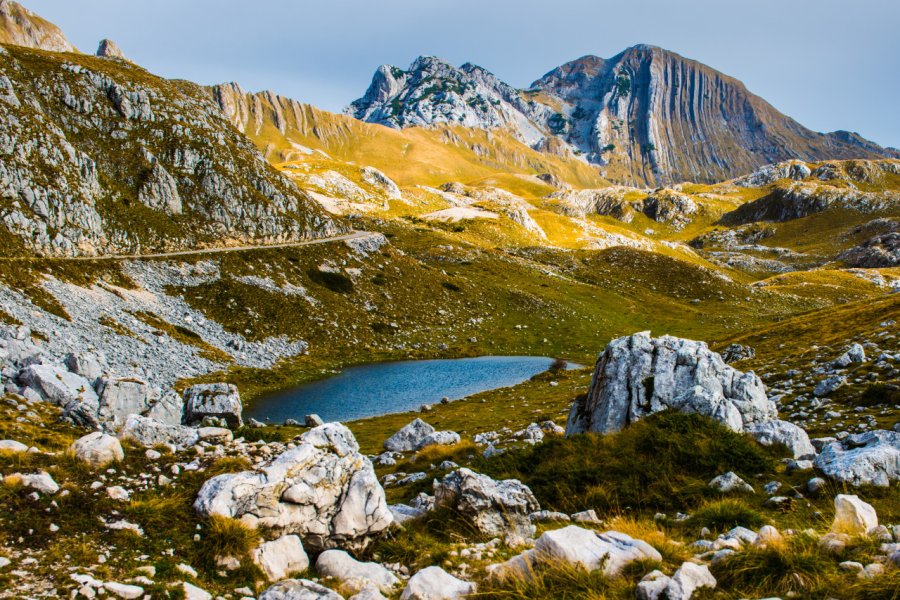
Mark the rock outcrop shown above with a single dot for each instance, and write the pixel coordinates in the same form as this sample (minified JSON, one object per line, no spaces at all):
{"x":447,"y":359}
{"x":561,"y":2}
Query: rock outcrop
{"x":871,"y":458}
{"x":637,"y":375}
{"x":495,"y":508}
{"x":215,"y":400}
{"x":877,"y":252}
{"x":323,"y":490}
{"x":109,"y":49}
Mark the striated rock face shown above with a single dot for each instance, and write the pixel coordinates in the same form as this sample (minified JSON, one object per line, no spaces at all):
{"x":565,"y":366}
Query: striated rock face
{"x":110,"y":49}
{"x":139,"y":164}
{"x":646,"y":116}
{"x":323,"y":490}
{"x":637,"y":375}
{"x":21,"y":27}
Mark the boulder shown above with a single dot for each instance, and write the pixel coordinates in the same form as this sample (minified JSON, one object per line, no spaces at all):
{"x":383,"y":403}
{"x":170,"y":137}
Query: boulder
{"x":433,"y":583}
{"x":736,"y":352}
{"x":730,"y":482}
{"x":786,"y":434}
{"x":109,"y":49}
{"x":59,"y":386}
{"x":149,"y":432}
{"x":854,"y":354}
{"x":610,"y":551}
{"x":369,"y":593}
{"x":12,"y":446}
{"x":829,"y":384}
{"x":323,"y":490}
{"x":40,"y":481}
{"x":681,"y":586}
{"x":353,"y":574}
{"x":121,"y":397}
{"x":768,"y":536}
{"x":417,"y":435}
{"x":166,"y":407}
{"x":871,"y":458}
{"x":192,"y":592}
{"x":313,"y":420}
{"x":496,"y":508}
{"x":85,"y":364}
{"x":281,"y":558}
{"x":637,"y":375}
{"x":299,"y":589}
{"x":852,"y":516}
{"x":97,"y":449}
{"x":220,"y":400}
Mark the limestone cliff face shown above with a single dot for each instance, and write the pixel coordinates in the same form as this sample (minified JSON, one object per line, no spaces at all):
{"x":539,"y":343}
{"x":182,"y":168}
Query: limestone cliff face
{"x":21,"y":27}
{"x":98,"y":156}
{"x":645,"y":117}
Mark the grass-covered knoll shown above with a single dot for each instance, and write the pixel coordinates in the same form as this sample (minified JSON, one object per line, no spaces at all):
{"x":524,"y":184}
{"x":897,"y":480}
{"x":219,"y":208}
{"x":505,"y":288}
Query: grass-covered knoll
{"x":662,"y":463}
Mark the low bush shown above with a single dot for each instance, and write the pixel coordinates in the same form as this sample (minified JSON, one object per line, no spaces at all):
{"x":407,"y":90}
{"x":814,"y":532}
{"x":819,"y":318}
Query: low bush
{"x":662,"y":462}
{"x":722,"y":515}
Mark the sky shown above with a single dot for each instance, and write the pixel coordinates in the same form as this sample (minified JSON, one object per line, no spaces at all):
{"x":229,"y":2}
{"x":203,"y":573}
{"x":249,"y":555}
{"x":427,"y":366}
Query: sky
{"x":830,"y":64}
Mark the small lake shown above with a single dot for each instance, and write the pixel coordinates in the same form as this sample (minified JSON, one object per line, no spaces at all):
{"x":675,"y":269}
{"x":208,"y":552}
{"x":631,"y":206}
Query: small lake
{"x":390,"y":387}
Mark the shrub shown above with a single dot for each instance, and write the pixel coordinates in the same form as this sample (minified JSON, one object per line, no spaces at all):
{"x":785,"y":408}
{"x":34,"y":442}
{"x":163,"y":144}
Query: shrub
{"x":336,"y":282}
{"x":659,"y":463}
{"x":722,"y":515}
{"x":451,"y":286}
{"x":880,"y":393}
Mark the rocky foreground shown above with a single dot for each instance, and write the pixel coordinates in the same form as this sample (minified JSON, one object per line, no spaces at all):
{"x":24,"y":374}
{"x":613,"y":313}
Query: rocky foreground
{"x":310,"y":517}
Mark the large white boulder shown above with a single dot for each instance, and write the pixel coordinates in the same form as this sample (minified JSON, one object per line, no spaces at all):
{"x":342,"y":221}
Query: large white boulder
{"x":280,"y":558}
{"x":58,"y":385}
{"x":149,"y":432}
{"x":97,"y":449}
{"x":871,"y":458}
{"x":785,"y":433}
{"x":121,"y":397}
{"x":610,"y":551}
{"x":417,"y":435}
{"x":354,"y":575}
{"x":496,"y":508}
{"x":220,"y":400}
{"x":637,"y":375}
{"x":323,"y":490}
{"x":299,"y":589}
{"x":853,"y":516}
{"x":41,"y":481}
{"x":433,"y":583}
{"x":730,"y":482}
{"x":12,"y":446}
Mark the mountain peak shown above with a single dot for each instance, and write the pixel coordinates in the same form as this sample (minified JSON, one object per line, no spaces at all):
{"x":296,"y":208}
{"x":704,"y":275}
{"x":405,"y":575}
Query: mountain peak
{"x":110,"y":49}
{"x":21,"y":27}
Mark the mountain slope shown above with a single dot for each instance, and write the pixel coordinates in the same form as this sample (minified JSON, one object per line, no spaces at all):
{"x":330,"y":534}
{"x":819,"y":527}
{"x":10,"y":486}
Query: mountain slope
{"x":101,"y":157}
{"x":646,"y":116}
{"x":288,"y":130}
{"x":21,"y":27}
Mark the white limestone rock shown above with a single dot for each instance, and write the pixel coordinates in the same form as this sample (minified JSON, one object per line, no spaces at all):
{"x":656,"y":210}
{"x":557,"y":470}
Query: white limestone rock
{"x":149,"y":432}
{"x":853,"y":516}
{"x":681,"y":586}
{"x":433,"y":583}
{"x":353,"y":574}
{"x":298,"y":589}
{"x":323,"y":490}
{"x":417,"y":435}
{"x":730,"y":482}
{"x":120,"y":397}
{"x":280,"y":558}
{"x":637,"y":375}
{"x":220,"y":400}
{"x":496,"y":508}
{"x":40,"y":481}
{"x":785,"y":433}
{"x":871,"y":458}
{"x":609,"y":551}
{"x":12,"y":446}
{"x":97,"y":449}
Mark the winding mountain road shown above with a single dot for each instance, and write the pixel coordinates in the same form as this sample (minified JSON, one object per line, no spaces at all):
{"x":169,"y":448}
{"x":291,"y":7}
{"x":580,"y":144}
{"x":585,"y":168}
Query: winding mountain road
{"x":354,"y":235}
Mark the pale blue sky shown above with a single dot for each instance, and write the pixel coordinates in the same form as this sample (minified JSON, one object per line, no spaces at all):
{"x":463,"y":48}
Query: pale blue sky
{"x":830,"y":64}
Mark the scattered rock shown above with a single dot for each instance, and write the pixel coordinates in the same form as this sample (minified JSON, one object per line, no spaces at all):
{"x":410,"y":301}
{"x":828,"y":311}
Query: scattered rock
{"x":97,"y":449}
{"x":213,"y":400}
{"x":149,"y":432}
{"x":498,"y":508}
{"x":417,"y":435}
{"x":730,"y":482}
{"x":433,"y":583}
{"x":853,"y":516}
{"x":829,"y":384}
{"x":871,"y":458}
{"x":280,"y":558}
{"x":298,"y":589}
{"x":681,"y":586}
{"x":353,"y":574}
{"x":786,"y":434}
{"x":737,"y":352}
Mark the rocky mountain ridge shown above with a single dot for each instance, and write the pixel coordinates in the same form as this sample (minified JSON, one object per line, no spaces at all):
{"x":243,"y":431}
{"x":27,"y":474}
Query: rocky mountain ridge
{"x":634,"y":115}
{"x":100,"y":157}
{"x":21,"y":27}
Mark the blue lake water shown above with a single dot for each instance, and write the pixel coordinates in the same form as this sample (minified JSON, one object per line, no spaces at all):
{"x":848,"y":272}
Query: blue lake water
{"x":390,"y":387}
